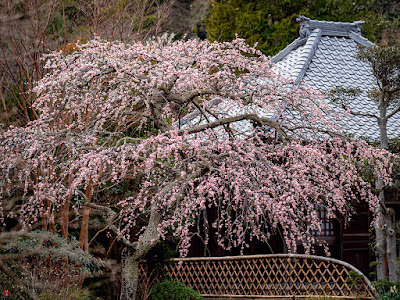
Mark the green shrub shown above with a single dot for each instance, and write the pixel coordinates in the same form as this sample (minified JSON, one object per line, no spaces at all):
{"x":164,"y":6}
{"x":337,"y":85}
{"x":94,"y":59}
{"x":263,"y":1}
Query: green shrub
{"x":173,"y":290}
{"x":50,"y":266}
{"x":70,"y":293}
{"x":391,"y":296}
{"x":387,"y":290}
{"x":382,"y":286}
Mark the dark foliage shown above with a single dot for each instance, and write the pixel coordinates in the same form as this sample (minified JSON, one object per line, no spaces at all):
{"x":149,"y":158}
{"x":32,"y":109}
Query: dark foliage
{"x":272,"y":24}
{"x":173,"y":290}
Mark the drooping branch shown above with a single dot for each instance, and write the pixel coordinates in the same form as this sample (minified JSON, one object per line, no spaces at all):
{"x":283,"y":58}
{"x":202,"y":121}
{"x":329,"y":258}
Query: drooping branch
{"x":112,"y":216}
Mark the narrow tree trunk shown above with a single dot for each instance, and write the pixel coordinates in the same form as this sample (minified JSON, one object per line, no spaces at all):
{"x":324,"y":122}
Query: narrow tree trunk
{"x":380,"y":247}
{"x":64,"y":215}
{"x":382,"y":122}
{"x":84,"y":234}
{"x":380,"y":232}
{"x":4,"y":102}
{"x":52,"y":222}
{"x":64,"y":218}
{"x":391,"y":245}
{"x":44,"y":221}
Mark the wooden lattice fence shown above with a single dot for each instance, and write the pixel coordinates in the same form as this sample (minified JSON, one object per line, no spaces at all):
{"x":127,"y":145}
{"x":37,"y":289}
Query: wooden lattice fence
{"x":271,"y":276}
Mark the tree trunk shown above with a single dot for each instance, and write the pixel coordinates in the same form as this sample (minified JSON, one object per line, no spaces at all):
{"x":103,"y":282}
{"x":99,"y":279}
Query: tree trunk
{"x":64,"y":218}
{"x":131,"y":257}
{"x":130,"y":274}
{"x":84,"y":234}
{"x":380,"y":247}
{"x":382,"y":268}
{"x":149,"y":238}
{"x":64,"y":214}
{"x":391,"y":245}
{"x":382,"y":123}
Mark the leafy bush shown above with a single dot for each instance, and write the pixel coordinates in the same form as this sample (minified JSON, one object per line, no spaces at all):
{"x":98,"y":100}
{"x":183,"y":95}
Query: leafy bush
{"x":387,"y":290}
{"x":70,"y":293}
{"x":391,"y":296}
{"x":173,"y":290}
{"x":46,"y":265}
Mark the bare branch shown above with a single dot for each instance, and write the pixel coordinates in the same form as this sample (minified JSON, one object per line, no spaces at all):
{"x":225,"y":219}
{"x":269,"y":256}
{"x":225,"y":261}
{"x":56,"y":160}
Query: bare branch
{"x":395,"y":111}
{"x":226,"y":127}
{"x":111,"y":217}
{"x":354,"y":113}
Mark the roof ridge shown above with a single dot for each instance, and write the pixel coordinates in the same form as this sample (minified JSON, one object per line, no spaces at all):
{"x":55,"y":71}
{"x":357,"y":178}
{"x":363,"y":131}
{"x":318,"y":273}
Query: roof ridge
{"x":307,"y":55}
{"x":360,"y":39}
{"x":328,"y":27}
{"x":304,"y":60}
{"x":289,"y":48}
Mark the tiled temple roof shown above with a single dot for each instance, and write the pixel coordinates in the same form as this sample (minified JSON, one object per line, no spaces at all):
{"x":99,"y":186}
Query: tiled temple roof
{"x":323,"y":57}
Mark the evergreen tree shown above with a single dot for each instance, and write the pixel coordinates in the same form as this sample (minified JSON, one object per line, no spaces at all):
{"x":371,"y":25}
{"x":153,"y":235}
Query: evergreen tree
{"x":272,"y":24}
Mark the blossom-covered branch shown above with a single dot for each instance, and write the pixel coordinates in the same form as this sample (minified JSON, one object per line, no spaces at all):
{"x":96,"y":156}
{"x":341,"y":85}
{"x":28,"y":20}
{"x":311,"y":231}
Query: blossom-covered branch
{"x":183,"y":127}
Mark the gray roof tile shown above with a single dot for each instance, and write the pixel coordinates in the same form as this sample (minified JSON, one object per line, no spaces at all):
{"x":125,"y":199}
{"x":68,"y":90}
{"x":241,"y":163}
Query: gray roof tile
{"x":328,"y":61}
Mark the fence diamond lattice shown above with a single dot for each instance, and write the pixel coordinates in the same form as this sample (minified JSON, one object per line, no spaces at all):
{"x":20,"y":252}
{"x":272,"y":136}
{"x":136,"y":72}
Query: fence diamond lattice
{"x":270,"y":276}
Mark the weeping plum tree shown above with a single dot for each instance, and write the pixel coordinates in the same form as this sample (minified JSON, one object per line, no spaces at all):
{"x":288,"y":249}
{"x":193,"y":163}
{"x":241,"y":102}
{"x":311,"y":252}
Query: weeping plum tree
{"x":185,"y":126}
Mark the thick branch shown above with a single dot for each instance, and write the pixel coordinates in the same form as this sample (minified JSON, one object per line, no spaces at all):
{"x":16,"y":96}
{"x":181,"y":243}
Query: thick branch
{"x":395,"y":111}
{"x":172,"y":97}
{"x":105,"y":72}
{"x":211,"y":113}
{"x":329,"y":132}
{"x":354,"y":113}
{"x":363,"y":114}
{"x":221,"y":122}
{"x":391,"y":91}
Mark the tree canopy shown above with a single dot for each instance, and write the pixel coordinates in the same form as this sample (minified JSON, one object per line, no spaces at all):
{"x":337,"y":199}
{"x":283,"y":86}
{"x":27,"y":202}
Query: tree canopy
{"x":184,"y":126}
{"x":272,"y":24}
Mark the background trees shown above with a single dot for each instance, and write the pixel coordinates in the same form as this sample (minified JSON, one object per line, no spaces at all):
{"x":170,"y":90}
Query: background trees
{"x":31,"y":28}
{"x":272,"y":24}
{"x":184,"y":126}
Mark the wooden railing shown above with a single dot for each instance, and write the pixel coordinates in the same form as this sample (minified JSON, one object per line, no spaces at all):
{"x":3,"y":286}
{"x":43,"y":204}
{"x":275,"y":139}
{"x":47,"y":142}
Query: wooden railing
{"x":271,"y":276}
